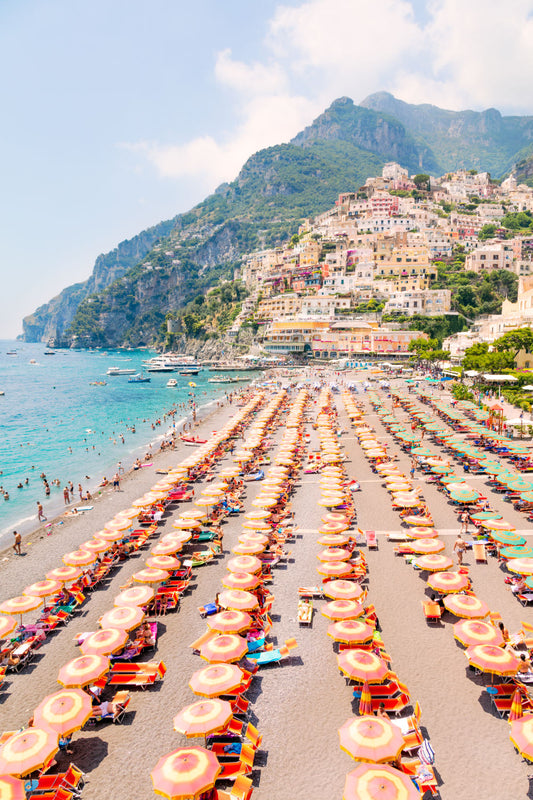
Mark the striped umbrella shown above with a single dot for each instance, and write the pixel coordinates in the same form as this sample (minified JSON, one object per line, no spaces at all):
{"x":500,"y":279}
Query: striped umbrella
{"x":12,"y":788}
{"x":379,"y":782}
{"x":504,"y":537}
{"x":244,"y":564}
{"x":335,"y":569}
{"x":334,"y":554}
{"x":448,"y":582}
{"x":124,"y":617}
{"x":150,"y":575}
{"x":216,"y":679}
{"x":466,"y":605}
{"x":333,"y":539}
{"x":517,"y":552}
{"x":27,"y":751}
{"x":167,"y":563}
{"x":240,"y":580}
{"x":365,"y":701}
{"x":427,"y":546}
{"x":230,"y":621}
{"x":63,"y":712}
{"x":185,"y":773}
{"x":64,"y":574}
{"x":522,"y":565}
{"x":521,"y":735}
{"x":238,"y":599}
{"x":360,"y":665}
{"x":224,"y":648}
{"x":343,"y":590}
{"x":7,"y":625}
{"x":203,"y":717}
{"x":96,"y":545}
{"x":474,"y":631}
{"x":248,"y":549}
{"x":434,"y":563}
{"x":20,"y":605}
{"x":495,"y":660}
{"x":351,"y":631}
{"x":517,"y":710}
{"x":104,"y":642}
{"x":168,"y":547}
{"x":79,"y":558}
{"x":253,"y":537}
{"x":44,"y":588}
{"x":83,"y":670}
{"x":497,"y":525}
{"x":484,"y":515}
{"x":369,"y":738}
{"x":134,"y":596}
{"x":342,"y":609}
{"x":422,"y":533}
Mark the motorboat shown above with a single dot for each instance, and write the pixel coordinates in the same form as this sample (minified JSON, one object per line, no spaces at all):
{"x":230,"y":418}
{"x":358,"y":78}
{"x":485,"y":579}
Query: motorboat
{"x":172,"y":383}
{"x":120,"y":371}
{"x":220,"y":379}
{"x":159,"y":367}
{"x":189,"y":371}
{"x":139,"y":378}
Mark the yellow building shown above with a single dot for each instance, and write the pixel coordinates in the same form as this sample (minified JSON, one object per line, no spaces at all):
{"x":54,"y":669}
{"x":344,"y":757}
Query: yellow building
{"x":279,"y":305}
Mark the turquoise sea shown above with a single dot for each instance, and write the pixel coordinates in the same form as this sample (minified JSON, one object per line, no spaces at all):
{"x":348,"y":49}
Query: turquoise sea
{"x":53,"y":421}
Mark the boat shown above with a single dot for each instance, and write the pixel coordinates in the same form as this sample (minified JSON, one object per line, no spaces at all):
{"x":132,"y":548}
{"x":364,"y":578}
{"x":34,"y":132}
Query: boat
{"x":171,"y":383}
{"x":189,"y":371}
{"x":220,"y":379}
{"x":158,"y":368}
{"x":98,"y":383}
{"x":170,"y":362}
{"x":11,"y":353}
{"x":139,"y":378}
{"x":119,"y":371}
{"x":2,"y":393}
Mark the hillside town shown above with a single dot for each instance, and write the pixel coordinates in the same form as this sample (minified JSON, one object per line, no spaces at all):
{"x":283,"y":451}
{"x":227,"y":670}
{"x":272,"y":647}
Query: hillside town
{"x":374,"y":256}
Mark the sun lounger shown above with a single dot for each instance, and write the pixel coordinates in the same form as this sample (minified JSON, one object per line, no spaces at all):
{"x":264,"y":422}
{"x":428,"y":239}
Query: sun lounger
{"x":525,"y":597}
{"x":432,"y":611}
{"x":371,"y":540}
{"x":242,"y":790}
{"x":61,"y":793}
{"x":305,"y":611}
{"x":480,"y":553}
{"x":116,"y":709}
{"x":274,"y":656}
{"x":422,"y":774}
{"x":141,"y":674}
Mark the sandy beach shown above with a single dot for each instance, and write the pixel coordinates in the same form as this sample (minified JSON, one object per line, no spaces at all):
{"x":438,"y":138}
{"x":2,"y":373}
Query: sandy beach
{"x":299,"y":705}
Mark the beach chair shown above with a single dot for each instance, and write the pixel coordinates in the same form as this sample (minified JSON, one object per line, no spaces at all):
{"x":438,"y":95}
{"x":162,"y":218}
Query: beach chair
{"x":242,"y":790}
{"x":480,"y":553}
{"x":305,"y":611}
{"x":117,"y":709}
{"x":527,"y":632}
{"x":432,"y":611}
{"x":207,"y":610}
{"x":371,"y":540}
{"x":72,"y":781}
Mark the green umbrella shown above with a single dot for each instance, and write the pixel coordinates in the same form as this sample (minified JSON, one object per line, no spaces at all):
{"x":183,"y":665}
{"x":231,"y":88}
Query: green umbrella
{"x":422,"y":451}
{"x":520,"y":485}
{"x":517,"y":552}
{"x":480,"y":515}
{"x":526,"y":496}
{"x":464,"y":496}
{"x":492,"y":467}
{"x":438,"y":470}
{"x":451,"y":479}
{"x":529,"y":581}
{"x":507,"y":537}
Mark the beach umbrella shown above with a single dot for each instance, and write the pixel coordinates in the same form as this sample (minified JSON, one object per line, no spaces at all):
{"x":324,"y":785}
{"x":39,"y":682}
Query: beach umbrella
{"x":167,"y":548}
{"x":517,"y":710}
{"x":248,"y":549}
{"x":466,"y":605}
{"x":517,"y":552}
{"x":365,"y":701}
{"x":64,"y":574}
{"x":334,"y":569}
{"x":244,"y":564}
{"x":521,"y":735}
{"x":230,"y":621}
{"x":334,"y":527}
{"x":95,"y":545}
{"x":369,"y":738}
{"x":264,"y":502}
{"x":448,"y":582}
{"x":403,"y":501}
{"x":20,"y":605}
{"x":83,"y":670}
{"x":422,"y":533}
{"x":489,"y":658}
{"x":419,"y":521}
{"x":124,"y":617}
{"x":484,"y":515}
{"x":434,"y":563}
{"x":257,"y":514}
{"x":497,"y":525}
{"x":12,"y":788}
{"x":351,"y":631}
{"x":474,"y":631}
{"x":203,"y":717}
{"x":465,"y":496}
{"x":334,"y":554}
{"x":427,"y":546}
{"x":224,"y":648}
{"x":527,"y":497}
{"x":182,"y":537}
{"x":330,"y":501}
{"x":79,"y":558}
{"x":120,"y":524}
{"x":343,"y":590}
{"x":28,"y":750}
{"x":167,"y":563}
{"x":240,"y":580}
{"x":193,"y":513}
{"x":134,"y":596}
{"x":104,"y":642}
{"x":258,"y":525}
{"x":507,"y":537}
{"x":216,"y":679}
{"x":333,"y":539}
{"x":451,"y":480}
{"x":7,"y":625}
{"x":150,"y":575}
{"x":253,"y":537}
{"x":111,"y":535}
{"x":520,"y":485}
{"x":238,"y":600}
{"x":491,"y":467}
{"x":185,"y":524}
{"x":522,"y":565}
{"x":185,"y":773}
{"x":44,"y":588}
{"x":63,"y":712}
{"x":361,"y":665}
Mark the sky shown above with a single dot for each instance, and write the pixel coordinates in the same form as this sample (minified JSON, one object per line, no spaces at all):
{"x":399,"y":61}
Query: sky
{"x":120,"y":113}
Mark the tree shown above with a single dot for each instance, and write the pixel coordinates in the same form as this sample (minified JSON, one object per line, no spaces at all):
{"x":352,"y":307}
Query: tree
{"x":421,"y":346}
{"x":421,"y":181}
{"x":486,"y":232}
{"x":514,"y":341}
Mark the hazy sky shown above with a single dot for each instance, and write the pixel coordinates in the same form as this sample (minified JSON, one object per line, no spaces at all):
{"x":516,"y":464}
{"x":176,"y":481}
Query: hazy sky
{"x":120,"y":113}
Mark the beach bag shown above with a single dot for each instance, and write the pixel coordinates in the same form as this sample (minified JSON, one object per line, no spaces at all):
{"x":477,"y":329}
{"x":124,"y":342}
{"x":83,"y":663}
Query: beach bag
{"x":426,"y":754}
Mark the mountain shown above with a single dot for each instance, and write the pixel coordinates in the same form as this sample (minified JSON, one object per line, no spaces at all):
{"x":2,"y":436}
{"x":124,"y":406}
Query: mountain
{"x":132,"y":288}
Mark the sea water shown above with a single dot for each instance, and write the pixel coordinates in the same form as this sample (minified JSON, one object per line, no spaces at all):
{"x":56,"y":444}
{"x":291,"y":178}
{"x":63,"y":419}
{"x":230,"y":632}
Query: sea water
{"x":53,"y":421}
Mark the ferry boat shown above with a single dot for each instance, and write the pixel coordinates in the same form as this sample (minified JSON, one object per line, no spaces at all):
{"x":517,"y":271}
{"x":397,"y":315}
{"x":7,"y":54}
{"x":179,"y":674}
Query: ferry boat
{"x":120,"y":371}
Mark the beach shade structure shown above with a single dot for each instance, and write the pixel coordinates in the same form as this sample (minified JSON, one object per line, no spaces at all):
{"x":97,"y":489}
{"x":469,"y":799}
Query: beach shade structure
{"x":238,"y":600}
{"x":167,"y":548}
{"x":373,"y":739}
{"x":182,"y":537}
{"x":489,"y":658}
{"x":418,"y":521}
{"x":216,"y":679}
{"x":466,"y":605}
{"x":240,"y":580}
{"x":257,"y":514}
{"x":464,"y":496}
{"x":248,"y":549}
{"x":7,"y":626}
{"x":422,"y":533}
{"x":168,"y":563}
{"x":521,"y":735}
{"x":434,"y":562}
{"x":334,"y":554}
{"x":519,"y":485}
{"x":264,"y":502}
{"x":428,"y":545}
{"x":516,"y":552}
{"x":134,"y":596}
{"x":193,"y":513}
{"x":332,"y":516}
{"x":333,"y":539}
{"x":229,"y":621}
{"x":334,"y":569}
{"x":491,"y":467}
{"x":331,"y":501}
{"x":497,"y":525}
{"x":44,"y":588}
{"x":451,"y":480}
{"x":251,"y":525}
{"x":507,"y":538}
{"x":379,"y":782}
{"x":253,"y":537}
{"x":362,"y":665}
{"x":333,"y":527}
{"x":83,"y":670}
{"x":120,"y":524}
{"x":422,"y":451}
{"x":479,"y":516}
{"x":441,"y":469}
{"x":28,"y":750}
{"x":79,"y":558}
{"x":448,"y":582}
{"x":20,"y":605}
{"x":526,"y":497}
{"x":225,"y":648}
{"x":474,"y":631}
{"x":351,"y":631}
{"x":112,"y":535}
{"x":12,"y":788}
{"x":64,"y":711}
{"x":124,"y":617}
{"x":150,"y":575}
{"x":96,"y":545}
{"x":343,"y":590}
{"x":524,"y":566}
{"x":365,"y":701}
{"x":64,"y":574}
{"x":182,"y":524}
{"x":244,"y":564}
{"x":399,"y":487}
{"x":517,"y":709}
{"x":203,"y":717}
{"x":104,"y":642}
{"x":185,"y":773}
{"x":406,"y":501}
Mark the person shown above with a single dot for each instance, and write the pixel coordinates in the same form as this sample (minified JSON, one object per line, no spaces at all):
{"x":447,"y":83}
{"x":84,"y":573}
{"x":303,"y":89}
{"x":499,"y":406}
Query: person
{"x":381,"y":711}
{"x":116,"y":482}
{"x":17,"y":544}
{"x":440,"y":602}
{"x":524,"y":663}
{"x":464,"y":521}
{"x":66,"y":495}
{"x":459,"y":548}
{"x":504,"y":632}
{"x":40,"y":513}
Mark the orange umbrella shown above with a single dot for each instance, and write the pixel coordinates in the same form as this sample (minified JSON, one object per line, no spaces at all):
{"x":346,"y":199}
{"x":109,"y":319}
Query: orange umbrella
{"x":379,"y":782}
{"x":517,"y":709}
{"x":351,"y":631}
{"x":419,"y":521}
{"x":343,"y":590}
{"x":335,"y":569}
{"x":244,"y":564}
{"x":79,"y":558}
{"x":111,"y":535}
{"x":149,"y":575}
{"x":422,"y":533}
{"x":489,"y":658}
{"x":176,"y":536}
{"x":168,"y":563}
{"x":522,"y":565}
{"x":20,"y":605}
{"x":256,"y":525}
{"x":224,"y":648}
{"x":182,"y":524}
{"x":474,"y":631}
{"x":496,"y":525}
{"x":332,"y":517}
{"x":333,"y":539}
{"x":448,"y":582}
{"x":230,"y":621}
{"x":167,"y":548}
{"x":522,"y":735}
{"x":63,"y":712}
{"x":237,"y":599}
{"x":250,"y":549}
{"x":64,"y":574}
{"x":434,"y":563}
{"x":466,"y":605}
{"x":43,"y":588}
{"x":185,"y":773}
{"x":7,"y":625}
{"x":83,"y":670}
{"x":365,"y":701}
{"x":216,"y":679}
{"x":104,"y":642}
{"x":360,"y":665}
{"x":254,"y":538}
{"x":342,"y":609}
{"x":203,"y":717}
{"x":27,"y":751}
{"x":96,"y":545}
{"x":334,"y":554}
{"x":240,"y":580}
{"x":124,"y":617}
{"x":12,"y":788}
{"x":427,"y":546}
{"x":257,"y":514}
{"x":135,"y":596}
{"x":369,"y":738}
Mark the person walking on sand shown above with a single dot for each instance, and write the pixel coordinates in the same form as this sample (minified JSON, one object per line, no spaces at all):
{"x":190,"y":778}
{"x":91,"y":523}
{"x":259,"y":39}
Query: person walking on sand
{"x":40,"y":513}
{"x":459,"y":548}
{"x":464,"y":522}
{"x":17,"y":544}
{"x":116,"y":482}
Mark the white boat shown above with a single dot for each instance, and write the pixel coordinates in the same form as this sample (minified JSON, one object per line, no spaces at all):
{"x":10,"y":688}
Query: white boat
{"x":171,"y":383}
{"x":2,"y":393}
{"x":158,"y":368}
{"x":119,"y":371}
{"x":220,"y":379}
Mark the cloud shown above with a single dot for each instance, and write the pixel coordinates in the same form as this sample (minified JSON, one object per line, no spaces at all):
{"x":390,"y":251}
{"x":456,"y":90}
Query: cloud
{"x":255,"y":79}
